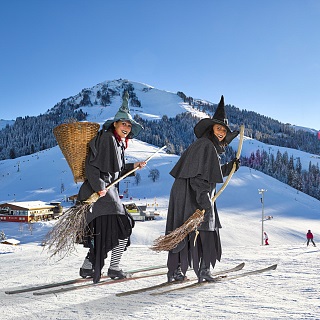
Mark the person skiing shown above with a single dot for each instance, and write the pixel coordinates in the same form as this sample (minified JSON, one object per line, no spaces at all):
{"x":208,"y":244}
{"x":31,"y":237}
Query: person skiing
{"x":196,"y":174}
{"x":109,"y":225}
{"x":310,"y":238}
{"x":266,"y":239}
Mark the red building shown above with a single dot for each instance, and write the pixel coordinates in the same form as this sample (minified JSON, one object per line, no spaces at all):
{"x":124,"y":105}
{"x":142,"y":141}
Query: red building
{"x":28,"y":211}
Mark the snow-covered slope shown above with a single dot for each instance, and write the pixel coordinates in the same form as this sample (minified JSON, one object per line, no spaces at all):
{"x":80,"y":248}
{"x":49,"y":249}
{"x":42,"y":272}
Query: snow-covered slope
{"x":290,"y":292}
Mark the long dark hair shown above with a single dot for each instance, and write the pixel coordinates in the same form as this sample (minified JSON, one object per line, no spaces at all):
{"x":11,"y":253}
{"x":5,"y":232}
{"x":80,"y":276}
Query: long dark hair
{"x":113,"y":130}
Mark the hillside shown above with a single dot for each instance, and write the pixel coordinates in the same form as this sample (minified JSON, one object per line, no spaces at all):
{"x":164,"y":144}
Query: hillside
{"x":152,"y":106}
{"x":289,"y":292}
{"x":291,"y":288}
{"x":168,"y":119}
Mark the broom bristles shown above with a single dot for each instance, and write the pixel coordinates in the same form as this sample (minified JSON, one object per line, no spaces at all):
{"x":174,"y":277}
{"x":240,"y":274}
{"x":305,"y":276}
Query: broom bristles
{"x":69,"y":230}
{"x":171,"y":240}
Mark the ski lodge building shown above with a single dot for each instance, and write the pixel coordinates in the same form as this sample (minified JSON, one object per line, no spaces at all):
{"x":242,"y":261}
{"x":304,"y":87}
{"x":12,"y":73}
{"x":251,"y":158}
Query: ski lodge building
{"x":28,"y":211}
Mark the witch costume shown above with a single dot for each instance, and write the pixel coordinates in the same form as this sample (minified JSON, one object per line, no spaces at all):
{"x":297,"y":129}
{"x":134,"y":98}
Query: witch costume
{"x":109,"y":224}
{"x":196,"y":174}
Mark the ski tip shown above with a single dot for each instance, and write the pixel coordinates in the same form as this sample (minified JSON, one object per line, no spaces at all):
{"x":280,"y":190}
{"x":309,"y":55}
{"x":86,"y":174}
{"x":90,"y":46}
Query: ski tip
{"x":273,"y":267}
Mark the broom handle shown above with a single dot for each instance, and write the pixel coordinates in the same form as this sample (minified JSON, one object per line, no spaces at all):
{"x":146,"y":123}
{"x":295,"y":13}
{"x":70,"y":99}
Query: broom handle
{"x":133,"y":170}
{"x":229,"y":176}
{"x":234,"y":166}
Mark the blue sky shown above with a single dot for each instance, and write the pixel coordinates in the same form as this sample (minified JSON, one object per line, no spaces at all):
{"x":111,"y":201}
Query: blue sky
{"x":262,"y":56}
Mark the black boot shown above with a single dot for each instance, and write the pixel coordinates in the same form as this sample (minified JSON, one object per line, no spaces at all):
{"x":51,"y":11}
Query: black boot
{"x":116,"y":274}
{"x":176,"y":276}
{"x":205,"y":274}
{"x":86,"y":271}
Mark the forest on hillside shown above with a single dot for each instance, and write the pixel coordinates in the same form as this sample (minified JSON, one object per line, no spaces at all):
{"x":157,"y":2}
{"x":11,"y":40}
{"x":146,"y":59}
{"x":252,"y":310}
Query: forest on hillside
{"x":29,"y":135}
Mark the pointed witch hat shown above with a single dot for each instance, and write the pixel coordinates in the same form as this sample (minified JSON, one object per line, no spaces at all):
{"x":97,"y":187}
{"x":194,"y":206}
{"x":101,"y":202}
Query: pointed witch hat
{"x":219,"y":117}
{"x":124,"y":114}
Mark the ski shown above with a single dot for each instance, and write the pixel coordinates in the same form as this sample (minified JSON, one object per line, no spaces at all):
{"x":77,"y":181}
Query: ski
{"x":166,"y":284}
{"x":101,"y":283}
{"x":218,"y":279}
{"x":157,"y":286}
{"x":73,"y":281}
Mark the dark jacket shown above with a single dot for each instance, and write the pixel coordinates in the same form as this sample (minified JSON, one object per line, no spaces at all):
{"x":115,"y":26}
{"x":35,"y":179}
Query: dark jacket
{"x":196,"y":174}
{"x":104,"y":164}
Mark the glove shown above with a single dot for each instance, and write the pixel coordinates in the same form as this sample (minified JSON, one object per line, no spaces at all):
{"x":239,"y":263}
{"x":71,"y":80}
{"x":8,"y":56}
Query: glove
{"x":226,"y":169}
{"x":228,"y":166}
{"x":237,"y":162}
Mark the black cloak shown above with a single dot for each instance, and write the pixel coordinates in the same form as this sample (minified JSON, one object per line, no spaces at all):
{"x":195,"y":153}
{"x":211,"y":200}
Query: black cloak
{"x":107,"y":220}
{"x":196,"y":174}
{"x":104,"y":164}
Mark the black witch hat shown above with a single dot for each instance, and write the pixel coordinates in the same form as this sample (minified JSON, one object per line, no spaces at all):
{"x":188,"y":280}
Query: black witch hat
{"x":219,"y":117}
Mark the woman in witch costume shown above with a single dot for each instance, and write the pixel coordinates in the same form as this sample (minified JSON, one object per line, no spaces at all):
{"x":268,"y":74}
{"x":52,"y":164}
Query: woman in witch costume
{"x":196,"y":174}
{"x":109,"y":225}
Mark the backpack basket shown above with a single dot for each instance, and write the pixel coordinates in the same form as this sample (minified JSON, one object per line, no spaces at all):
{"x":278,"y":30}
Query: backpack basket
{"x":73,"y":139}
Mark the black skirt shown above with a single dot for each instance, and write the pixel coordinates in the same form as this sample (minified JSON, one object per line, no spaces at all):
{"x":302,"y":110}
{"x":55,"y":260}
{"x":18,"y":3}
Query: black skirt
{"x":102,"y":235}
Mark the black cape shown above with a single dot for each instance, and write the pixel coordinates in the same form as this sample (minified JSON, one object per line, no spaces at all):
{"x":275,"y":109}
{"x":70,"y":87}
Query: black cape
{"x":107,"y":219}
{"x":104,"y":164}
{"x":196,"y":174}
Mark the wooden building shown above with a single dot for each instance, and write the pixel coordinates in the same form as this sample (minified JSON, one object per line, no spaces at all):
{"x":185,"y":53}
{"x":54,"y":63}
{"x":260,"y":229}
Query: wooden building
{"x":28,"y":211}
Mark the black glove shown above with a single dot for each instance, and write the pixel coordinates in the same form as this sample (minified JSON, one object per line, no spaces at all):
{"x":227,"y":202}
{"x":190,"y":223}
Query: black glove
{"x":229,"y":166}
{"x":237,"y":162}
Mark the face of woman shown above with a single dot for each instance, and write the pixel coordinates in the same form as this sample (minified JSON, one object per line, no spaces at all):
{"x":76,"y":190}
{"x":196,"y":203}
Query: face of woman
{"x":219,"y":131}
{"x":123,"y":128}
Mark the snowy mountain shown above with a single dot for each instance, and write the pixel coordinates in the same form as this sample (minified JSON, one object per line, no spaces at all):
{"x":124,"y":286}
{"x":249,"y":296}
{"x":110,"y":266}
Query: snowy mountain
{"x":153,"y":108}
{"x":290,"y":292}
{"x":103,"y":101}
{"x":46,"y":176}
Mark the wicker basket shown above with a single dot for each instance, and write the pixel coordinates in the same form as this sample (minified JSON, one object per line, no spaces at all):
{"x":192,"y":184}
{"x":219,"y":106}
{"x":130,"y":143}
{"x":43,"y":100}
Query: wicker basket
{"x":73,"y":139}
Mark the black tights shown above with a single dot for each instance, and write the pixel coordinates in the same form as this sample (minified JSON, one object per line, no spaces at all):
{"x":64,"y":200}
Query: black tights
{"x":311,"y":241}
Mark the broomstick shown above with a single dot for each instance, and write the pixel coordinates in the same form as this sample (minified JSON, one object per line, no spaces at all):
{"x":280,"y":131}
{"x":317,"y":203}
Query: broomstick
{"x":171,"y":240}
{"x":72,"y":225}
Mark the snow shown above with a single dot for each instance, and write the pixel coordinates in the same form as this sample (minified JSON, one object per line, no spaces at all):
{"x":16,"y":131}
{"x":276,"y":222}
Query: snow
{"x":11,"y":241}
{"x":289,"y":292}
